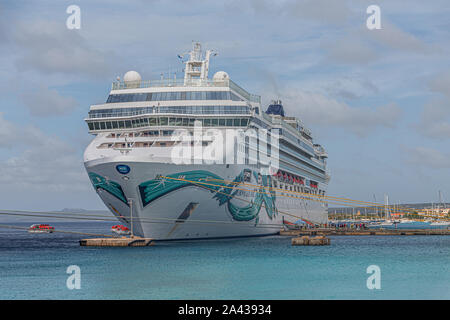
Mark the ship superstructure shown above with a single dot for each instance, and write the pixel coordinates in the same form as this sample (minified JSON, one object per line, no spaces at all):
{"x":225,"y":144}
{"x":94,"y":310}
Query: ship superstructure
{"x":134,"y":166}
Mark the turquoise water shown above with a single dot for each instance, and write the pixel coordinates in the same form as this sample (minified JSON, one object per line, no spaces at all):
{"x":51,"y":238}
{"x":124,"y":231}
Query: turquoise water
{"x":34,"y":267}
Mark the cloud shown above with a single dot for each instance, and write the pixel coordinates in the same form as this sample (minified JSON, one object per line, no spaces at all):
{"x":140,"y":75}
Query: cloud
{"x":393,"y":37}
{"x":323,"y":11}
{"x":320,"y":11}
{"x":39,"y":161}
{"x":427,"y":157}
{"x":12,"y":135}
{"x":361,"y":46}
{"x":315,"y":108}
{"x":435,"y":119}
{"x":47,"y":102}
{"x":351,"y":86}
{"x":351,"y":50}
{"x":7,"y":133}
{"x":441,"y":83}
{"x":49,"y":47}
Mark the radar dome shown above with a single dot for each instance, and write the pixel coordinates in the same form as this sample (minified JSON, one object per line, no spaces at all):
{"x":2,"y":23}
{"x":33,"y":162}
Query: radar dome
{"x":220,"y":76}
{"x":132,"y":79}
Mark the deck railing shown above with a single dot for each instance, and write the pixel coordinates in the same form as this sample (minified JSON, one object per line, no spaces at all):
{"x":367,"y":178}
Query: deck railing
{"x":121,"y":85}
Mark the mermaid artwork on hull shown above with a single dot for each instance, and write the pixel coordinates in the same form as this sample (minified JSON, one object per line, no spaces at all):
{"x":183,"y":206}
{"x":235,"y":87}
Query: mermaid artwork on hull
{"x":224,"y":192}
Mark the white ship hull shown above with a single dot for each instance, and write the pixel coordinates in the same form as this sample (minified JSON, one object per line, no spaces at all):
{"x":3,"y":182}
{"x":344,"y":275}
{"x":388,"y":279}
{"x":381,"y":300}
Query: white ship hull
{"x":195,"y":211}
{"x":152,"y":135}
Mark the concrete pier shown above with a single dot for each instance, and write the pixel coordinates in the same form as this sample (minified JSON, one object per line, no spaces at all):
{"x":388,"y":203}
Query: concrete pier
{"x":307,"y":241}
{"x":117,"y":242}
{"x":365,"y":232}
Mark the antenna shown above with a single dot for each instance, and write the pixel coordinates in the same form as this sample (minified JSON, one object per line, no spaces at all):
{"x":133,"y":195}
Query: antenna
{"x":197,"y":67}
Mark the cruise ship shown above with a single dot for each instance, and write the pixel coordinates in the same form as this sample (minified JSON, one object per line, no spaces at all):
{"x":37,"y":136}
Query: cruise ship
{"x":200,"y":158}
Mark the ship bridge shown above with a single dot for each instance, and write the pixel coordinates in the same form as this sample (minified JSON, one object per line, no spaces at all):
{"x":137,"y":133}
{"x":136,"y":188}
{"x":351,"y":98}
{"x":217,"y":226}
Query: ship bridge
{"x":136,"y":103}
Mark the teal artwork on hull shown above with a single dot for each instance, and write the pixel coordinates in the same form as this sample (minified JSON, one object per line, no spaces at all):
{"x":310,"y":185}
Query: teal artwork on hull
{"x":111,"y":187}
{"x":223,"y":192}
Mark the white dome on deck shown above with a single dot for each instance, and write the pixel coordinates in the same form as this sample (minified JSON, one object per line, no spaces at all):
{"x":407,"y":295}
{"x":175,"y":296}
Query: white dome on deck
{"x":220,"y":76}
{"x":132,"y":79}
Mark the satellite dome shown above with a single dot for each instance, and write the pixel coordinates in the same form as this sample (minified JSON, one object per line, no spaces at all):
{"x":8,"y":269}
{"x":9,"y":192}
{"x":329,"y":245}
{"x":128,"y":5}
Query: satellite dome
{"x":220,"y":76}
{"x":132,"y":76}
{"x":132,"y":79}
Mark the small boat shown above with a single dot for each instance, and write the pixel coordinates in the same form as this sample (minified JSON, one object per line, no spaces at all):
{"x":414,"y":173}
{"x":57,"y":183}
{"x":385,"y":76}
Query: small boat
{"x":120,"y":230}
{"x":440,"y":224}
{"x":41,"y":228}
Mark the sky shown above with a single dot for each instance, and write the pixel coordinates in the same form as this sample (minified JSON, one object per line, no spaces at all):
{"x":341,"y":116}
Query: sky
{"x":377,"y":100}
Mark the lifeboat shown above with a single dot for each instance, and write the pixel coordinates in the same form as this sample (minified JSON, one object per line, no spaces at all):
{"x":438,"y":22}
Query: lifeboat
{"x":41,"y":228}
{"x":120,"y":230}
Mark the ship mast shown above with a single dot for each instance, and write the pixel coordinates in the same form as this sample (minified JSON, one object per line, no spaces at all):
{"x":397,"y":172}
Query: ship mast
{"x":197,"y":67}
{"x":386,"y":207}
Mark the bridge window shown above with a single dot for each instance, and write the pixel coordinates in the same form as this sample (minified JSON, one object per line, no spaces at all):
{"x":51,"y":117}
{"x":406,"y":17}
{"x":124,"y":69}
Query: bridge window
{"x":175,"y":95}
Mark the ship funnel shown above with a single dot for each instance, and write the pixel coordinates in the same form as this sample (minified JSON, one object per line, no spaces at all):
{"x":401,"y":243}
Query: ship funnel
{"x":275,"y":108}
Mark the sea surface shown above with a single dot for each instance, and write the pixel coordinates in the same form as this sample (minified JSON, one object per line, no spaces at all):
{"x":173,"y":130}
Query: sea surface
{"x":33,"y":266}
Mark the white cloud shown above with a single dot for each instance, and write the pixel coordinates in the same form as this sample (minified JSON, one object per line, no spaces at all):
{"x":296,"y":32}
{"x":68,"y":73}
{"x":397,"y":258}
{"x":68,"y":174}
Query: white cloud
{"x":315,"y":108}
{"x":13,"y":136}
{"x":428,"y":157}
{"x":441,"y":83}
{"x":323,"y":11}
{"x":351,"y":50}
{"x":50,"y":47}
{"x":361,"y":46}
{"x":39,"y":161}
{"x":47,"y":102}
{"x":393,"y":37}
{"x":435,"y":119}
{"x":351,"y":86}
{"x":317,"y":11}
